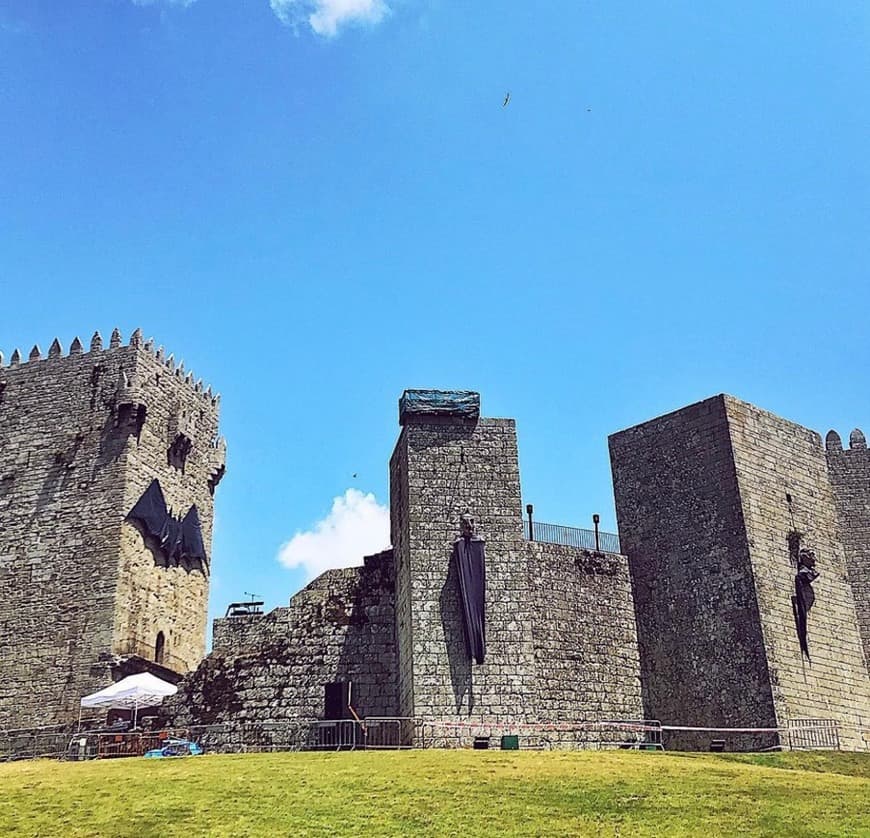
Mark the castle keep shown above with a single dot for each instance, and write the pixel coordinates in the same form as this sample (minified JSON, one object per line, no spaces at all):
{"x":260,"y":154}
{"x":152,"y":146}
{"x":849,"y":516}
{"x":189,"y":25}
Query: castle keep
{"x":85,"y":593}
{"x":736,"y":596}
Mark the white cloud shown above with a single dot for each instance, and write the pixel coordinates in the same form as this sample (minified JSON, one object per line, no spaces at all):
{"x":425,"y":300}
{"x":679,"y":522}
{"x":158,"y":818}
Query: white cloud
{"x":182,"y":3}
{"x":326,"y":17}
{"x":356,"y":526}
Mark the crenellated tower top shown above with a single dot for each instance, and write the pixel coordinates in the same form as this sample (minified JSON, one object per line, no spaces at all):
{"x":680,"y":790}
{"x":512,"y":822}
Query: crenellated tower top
{"x":137,"y":342}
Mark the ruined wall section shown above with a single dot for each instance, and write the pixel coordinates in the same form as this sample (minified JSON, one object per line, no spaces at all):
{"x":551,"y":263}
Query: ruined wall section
{"x":849,"y":472}
{"x":271,"y":669}
{"x":444,"y":465}
{"x":681,"y":525}
{"x":178,"y":444}
{"x":585,"y":636}
{"x":773,"y":458}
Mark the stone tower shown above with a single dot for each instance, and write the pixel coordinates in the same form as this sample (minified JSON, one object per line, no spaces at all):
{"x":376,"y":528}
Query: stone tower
{"x":82,"y":436}
{"x":446,"y":462}
{"x":849,"y":471}
{"x":714,"y":503}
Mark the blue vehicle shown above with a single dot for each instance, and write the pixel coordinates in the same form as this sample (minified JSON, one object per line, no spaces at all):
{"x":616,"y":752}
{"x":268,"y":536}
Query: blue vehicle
{"x":175,"y":748}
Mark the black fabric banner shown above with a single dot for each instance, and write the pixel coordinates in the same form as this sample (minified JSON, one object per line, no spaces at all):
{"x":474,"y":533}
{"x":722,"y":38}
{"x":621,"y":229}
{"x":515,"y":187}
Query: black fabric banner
{"x":470,"y":557}
{"x":178,"y":540}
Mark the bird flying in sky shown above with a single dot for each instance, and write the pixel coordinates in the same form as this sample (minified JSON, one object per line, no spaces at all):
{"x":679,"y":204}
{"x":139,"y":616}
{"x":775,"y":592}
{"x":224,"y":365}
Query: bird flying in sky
{"x":507,"y":98}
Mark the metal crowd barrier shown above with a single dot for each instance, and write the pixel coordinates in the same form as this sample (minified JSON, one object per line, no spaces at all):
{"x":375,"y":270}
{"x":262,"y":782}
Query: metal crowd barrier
{"x":35,"y":743}
{"x":107,"y":745}
{"x":813,"y":734}
{"x":382,"y":733}
{"x":265,"y":737}
{"x":373,"y":733}
{"x":642,"y":734}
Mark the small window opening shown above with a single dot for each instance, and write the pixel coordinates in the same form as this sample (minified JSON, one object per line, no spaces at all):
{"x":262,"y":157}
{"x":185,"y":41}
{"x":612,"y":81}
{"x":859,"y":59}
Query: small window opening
{"x":160,"y":648}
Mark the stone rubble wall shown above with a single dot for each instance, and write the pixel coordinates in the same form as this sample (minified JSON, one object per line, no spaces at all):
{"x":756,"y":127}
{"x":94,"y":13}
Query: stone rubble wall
{"x":267,"y":670}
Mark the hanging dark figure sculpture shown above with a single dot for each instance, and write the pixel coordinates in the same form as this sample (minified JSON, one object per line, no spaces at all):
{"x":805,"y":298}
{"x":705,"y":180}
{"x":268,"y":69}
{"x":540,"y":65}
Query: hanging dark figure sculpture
{"x":804,"y":595}
{"x":470,"y":558}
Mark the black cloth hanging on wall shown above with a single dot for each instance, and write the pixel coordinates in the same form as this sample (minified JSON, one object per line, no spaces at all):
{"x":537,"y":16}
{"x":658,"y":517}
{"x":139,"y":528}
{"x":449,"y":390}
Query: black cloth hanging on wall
{"x":470,"y":557}
{"x":178,"y":539}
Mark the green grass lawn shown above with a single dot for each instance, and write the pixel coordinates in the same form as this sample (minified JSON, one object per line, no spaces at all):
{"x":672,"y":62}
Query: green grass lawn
{"x":462,"y":793}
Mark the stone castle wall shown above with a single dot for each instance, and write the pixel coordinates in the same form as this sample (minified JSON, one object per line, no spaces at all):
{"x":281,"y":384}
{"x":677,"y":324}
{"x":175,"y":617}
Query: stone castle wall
{"x":699,"y":632}
{"x":271,"y":669}
{"x":268,"y":670}
{"x":560,"y":627}
{"x":61,"y":484}
{"x":584,"y":634}
{"x":73,"y":455}
{"x":849,"y":471}
{"x":400,"y":537}
{"x":153,"y":598}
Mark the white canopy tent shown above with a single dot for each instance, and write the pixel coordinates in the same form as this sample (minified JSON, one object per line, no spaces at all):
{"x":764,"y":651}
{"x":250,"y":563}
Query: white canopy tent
{"x":131,"y":693}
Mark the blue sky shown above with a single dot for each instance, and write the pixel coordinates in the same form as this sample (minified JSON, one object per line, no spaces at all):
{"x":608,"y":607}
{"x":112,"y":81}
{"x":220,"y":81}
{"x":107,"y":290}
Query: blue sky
{"x":318,"y":204}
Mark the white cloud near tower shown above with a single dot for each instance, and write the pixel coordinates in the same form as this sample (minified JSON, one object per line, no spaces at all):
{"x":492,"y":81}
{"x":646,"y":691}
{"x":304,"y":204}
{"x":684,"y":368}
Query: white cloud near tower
{"x":327,"y":17}
{"x":356,"y":526}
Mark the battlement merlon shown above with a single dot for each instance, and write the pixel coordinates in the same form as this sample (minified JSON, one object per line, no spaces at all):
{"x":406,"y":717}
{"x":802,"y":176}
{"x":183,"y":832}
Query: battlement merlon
{"x":125,"y":382}
{"x":137,"y":344}
{"x":857,"y":441}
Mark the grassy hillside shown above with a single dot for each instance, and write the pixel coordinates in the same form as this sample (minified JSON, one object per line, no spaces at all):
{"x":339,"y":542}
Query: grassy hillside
{"x":442,"y":793}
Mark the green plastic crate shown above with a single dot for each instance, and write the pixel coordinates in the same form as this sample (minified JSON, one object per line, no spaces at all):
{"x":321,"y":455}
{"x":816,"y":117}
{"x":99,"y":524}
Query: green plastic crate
{"x":510,"y":743}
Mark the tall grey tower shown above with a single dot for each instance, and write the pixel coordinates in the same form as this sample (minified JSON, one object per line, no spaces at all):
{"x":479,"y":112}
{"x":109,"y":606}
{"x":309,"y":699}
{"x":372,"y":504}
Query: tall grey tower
{"x":82,"y":437}
{"x":717,"y":505}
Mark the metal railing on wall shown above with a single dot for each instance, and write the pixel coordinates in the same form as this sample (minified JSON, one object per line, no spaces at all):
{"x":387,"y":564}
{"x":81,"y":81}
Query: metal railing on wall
{"x":604,"y":542}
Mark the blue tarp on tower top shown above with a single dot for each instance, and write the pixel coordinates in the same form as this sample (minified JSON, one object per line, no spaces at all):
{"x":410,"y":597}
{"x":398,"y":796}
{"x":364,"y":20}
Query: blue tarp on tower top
{"x":464,"y":404}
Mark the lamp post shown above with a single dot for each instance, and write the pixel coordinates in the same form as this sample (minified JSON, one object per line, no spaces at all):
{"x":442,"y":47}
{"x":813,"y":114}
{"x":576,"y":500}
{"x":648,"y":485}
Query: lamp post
{"x":595,"y":519}
{"x":529,"y":510}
